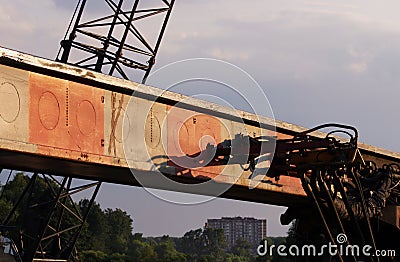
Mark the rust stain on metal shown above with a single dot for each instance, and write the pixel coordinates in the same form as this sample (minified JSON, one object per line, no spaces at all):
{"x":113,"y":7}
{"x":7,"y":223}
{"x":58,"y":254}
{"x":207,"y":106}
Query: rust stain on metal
{"x":59,"y":66}
{"x":89,"y":74}
{"x":115,"y":115}
{"x":65,"y":67}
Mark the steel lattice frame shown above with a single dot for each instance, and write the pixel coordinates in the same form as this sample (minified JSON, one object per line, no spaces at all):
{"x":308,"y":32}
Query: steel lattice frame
{"x":53,"y":237}
{"x":114,"y":43}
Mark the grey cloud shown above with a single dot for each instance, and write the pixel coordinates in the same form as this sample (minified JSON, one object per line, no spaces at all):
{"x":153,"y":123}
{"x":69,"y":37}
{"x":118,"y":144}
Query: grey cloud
{"x":66,"y":4}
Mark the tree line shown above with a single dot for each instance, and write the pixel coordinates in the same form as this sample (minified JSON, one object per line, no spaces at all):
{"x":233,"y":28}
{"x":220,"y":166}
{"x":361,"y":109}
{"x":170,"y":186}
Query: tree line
{"x":108,"y":235}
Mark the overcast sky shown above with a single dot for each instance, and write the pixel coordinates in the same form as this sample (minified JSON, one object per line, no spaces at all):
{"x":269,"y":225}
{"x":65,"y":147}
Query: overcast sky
{"x":317,"y":61}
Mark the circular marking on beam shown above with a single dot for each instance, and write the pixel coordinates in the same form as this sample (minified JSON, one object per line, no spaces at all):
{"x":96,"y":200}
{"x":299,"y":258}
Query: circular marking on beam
{"x":86,"y":117}
{"x":49,"y":110}
{"x":152,"y":132}
{"x":10,"y":102}
{"x":181,"y":140}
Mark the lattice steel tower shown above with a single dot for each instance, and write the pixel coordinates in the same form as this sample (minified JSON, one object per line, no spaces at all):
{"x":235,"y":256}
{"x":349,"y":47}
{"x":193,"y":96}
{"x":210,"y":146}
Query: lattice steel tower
{"x":127,"y":36}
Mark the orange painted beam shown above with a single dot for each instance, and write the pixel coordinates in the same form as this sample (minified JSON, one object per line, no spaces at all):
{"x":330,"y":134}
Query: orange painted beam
{"x":63,"y":120}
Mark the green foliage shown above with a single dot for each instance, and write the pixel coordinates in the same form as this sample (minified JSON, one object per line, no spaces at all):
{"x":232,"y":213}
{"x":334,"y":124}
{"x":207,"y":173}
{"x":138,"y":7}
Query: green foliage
{"x":192,"y":243}
{"x":140,"y":250}
{"x":119,"y":230}
{"x":215,"y":243}
{"x":107,"y":235}
{"x":93,"y":256}
{"x":11,"y":193}
{"x":117,"y":257}
{"x":203,"y":245}
{"x":243,"y":250}
{"x":94,"y":233}
{"x":166,"y":251}
{"x":5,"y":207}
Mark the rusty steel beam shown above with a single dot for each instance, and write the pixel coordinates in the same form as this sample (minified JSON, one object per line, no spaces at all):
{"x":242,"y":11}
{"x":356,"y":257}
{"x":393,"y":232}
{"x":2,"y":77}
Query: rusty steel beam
{"x":60,"y":119}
